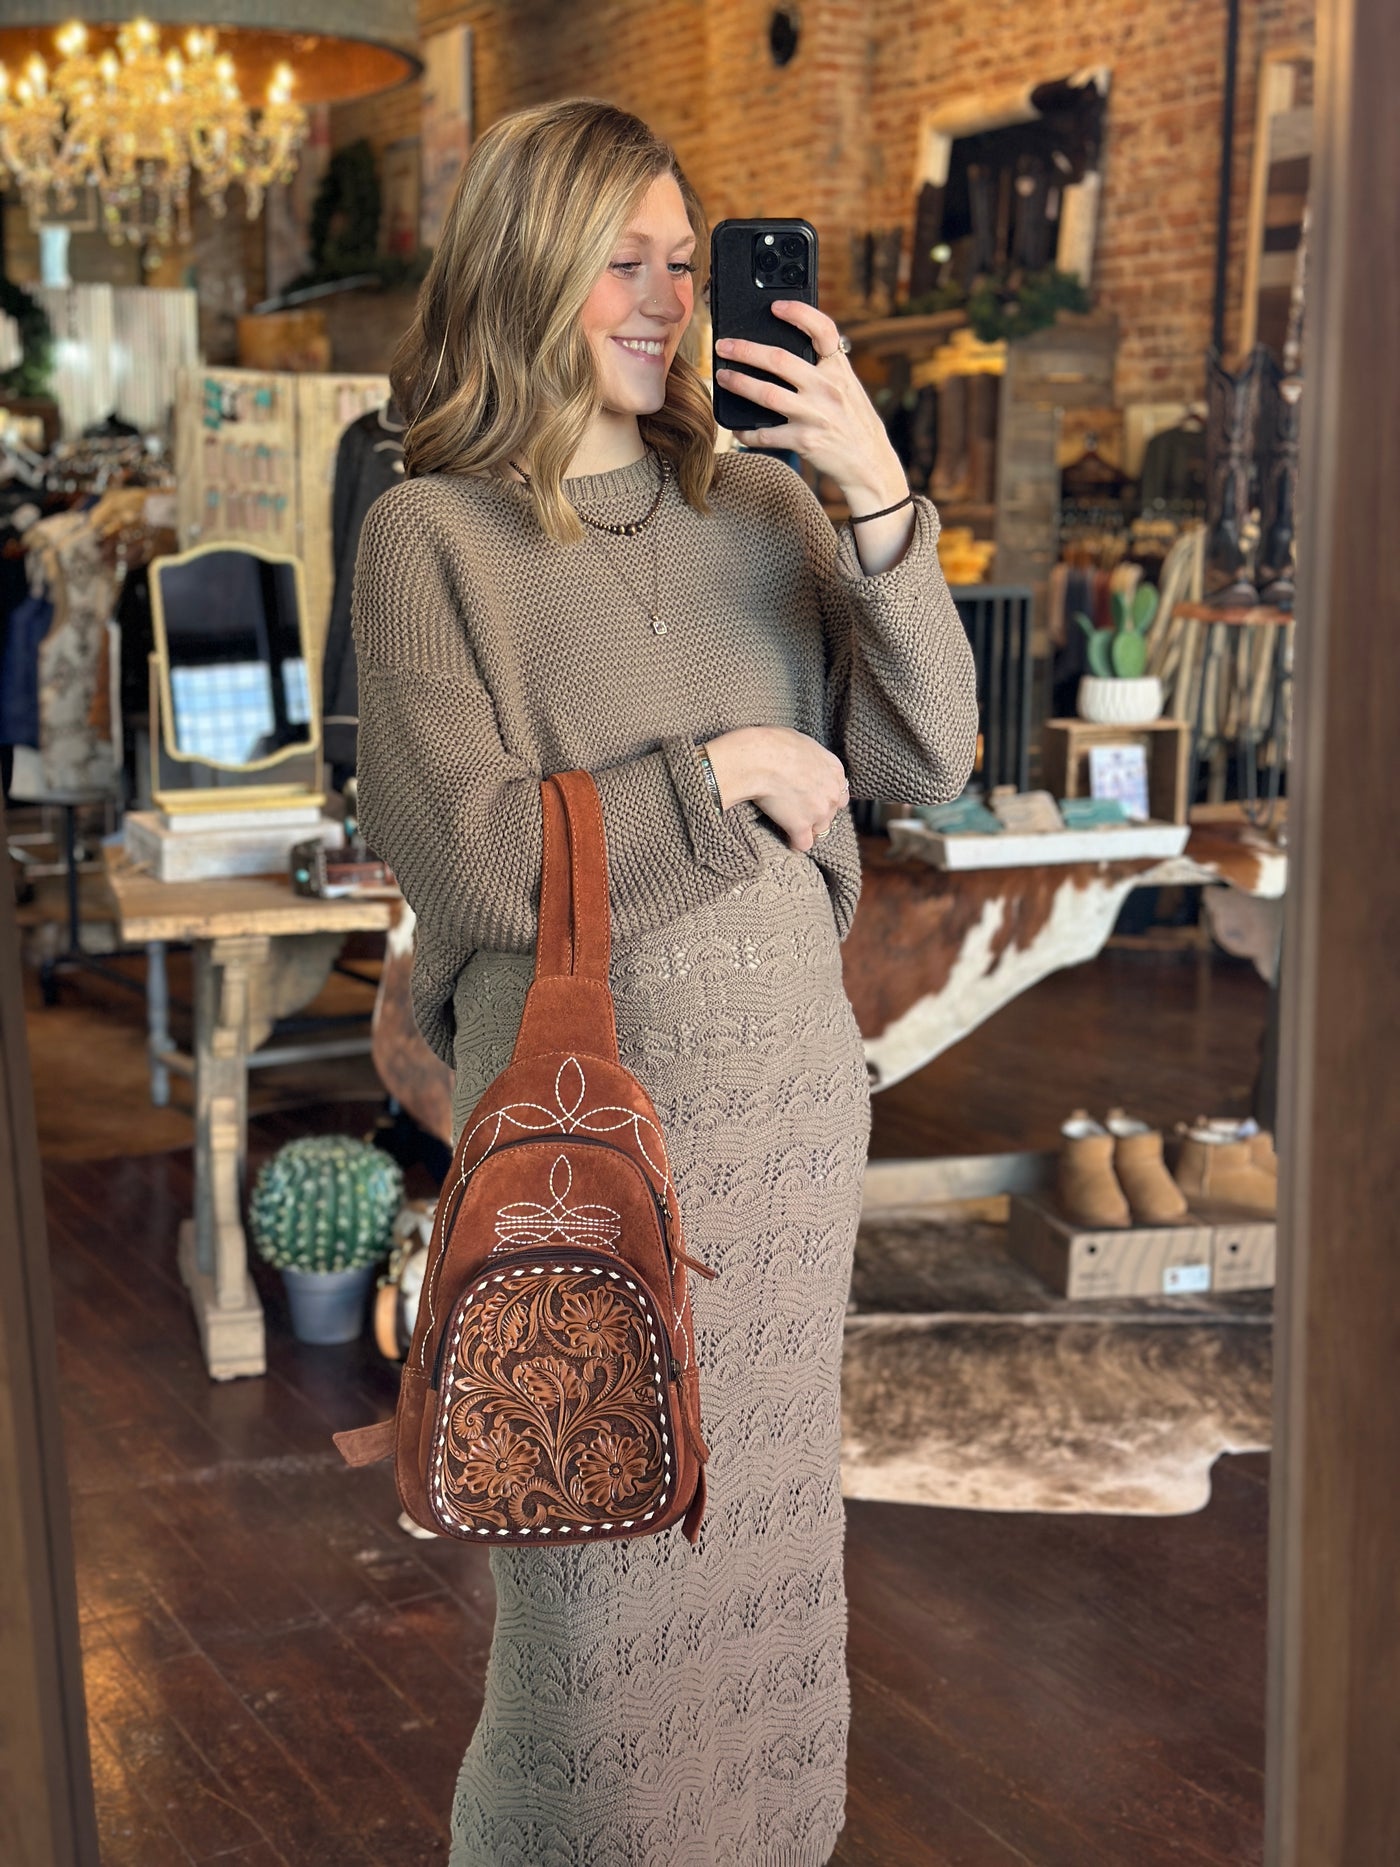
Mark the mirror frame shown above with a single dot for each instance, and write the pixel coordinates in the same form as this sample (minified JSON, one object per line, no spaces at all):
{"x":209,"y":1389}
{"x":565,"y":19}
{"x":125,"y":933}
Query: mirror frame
{"x":240,"y":797}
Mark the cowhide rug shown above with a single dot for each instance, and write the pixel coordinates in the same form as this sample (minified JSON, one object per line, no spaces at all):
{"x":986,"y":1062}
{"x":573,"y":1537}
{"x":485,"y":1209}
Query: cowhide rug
{"x":966,"y":1384}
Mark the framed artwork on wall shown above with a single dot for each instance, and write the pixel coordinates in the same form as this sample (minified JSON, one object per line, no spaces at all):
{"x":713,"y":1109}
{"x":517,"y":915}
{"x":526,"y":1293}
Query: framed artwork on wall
{"x":447,"y":123}
{"x":1008,"y":181}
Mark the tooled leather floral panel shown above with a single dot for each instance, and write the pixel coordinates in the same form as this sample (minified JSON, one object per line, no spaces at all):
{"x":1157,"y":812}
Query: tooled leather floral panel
{"x":552,"y":1411}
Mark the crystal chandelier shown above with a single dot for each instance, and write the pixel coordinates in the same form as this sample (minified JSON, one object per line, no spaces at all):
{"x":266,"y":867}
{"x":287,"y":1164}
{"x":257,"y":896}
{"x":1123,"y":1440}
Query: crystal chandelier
{"x":139,"y":125}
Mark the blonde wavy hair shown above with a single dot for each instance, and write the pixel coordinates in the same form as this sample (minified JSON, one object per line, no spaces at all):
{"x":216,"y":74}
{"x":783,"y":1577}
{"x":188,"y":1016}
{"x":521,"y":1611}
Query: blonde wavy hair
{"x":496,"y":359}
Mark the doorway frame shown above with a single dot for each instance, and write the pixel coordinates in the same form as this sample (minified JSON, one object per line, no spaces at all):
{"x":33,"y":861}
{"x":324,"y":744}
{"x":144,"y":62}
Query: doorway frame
{"x":47,"y":1816}
{"x":1332,"y":1792}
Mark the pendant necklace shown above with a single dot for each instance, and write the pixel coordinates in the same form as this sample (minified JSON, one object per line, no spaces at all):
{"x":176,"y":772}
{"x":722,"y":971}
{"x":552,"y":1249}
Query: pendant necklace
{"x":629,"y":529}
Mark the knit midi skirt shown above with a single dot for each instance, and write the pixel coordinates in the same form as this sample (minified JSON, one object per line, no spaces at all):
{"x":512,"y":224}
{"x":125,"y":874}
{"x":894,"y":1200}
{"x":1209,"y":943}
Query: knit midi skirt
{"x":650,"y":1704}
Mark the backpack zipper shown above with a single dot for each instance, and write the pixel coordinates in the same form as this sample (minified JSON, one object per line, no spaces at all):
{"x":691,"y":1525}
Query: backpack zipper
{"x":663,"y":1211}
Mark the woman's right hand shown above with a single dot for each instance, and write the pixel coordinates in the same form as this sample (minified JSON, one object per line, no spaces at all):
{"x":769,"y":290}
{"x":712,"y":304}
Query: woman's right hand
{"x":792,"y":778}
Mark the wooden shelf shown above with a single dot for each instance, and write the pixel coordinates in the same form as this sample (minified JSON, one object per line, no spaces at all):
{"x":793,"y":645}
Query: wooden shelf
{"x":1260,"y":616}
{"x":877,"y":332}
{"x":1064,"y":759}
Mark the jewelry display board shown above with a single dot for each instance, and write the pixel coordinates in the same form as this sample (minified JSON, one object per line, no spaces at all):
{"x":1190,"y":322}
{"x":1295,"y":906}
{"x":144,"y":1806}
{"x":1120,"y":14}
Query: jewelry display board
{"x":255,"y":463}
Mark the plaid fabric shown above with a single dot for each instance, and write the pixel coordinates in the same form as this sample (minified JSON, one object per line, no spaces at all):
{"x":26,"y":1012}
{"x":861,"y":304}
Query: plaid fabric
{"x":296,"y":690}
{"x":222,"y":710}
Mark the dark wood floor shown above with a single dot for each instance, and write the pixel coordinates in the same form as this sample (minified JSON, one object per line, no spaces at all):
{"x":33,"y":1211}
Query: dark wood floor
{"x":1166,"y":1035}
{"x":276,"y":1674}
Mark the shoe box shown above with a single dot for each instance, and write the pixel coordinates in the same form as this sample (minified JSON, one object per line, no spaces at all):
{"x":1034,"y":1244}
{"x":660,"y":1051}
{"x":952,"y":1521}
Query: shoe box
{"x":1213,"y":1250}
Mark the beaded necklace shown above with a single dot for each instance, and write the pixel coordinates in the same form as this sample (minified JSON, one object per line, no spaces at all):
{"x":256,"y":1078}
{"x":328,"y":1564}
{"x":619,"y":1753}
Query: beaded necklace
{"x":629,"y":529}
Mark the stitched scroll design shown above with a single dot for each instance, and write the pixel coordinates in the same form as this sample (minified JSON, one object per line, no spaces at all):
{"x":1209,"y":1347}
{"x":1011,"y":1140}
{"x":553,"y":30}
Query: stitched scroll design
{"x":568,"y":1116}
{"x":526,"y":1222}
{"x":553,"y":1415}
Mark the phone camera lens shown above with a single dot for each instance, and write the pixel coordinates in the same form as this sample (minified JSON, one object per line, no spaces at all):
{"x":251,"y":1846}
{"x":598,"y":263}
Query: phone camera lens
{"x":791,"y":247}
{"x":767,"y":259}
{"x":790,"y":275}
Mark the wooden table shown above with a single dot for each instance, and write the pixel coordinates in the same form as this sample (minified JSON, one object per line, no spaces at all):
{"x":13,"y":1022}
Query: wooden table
{"x":933,"y":953}
{"x":260,"y":953}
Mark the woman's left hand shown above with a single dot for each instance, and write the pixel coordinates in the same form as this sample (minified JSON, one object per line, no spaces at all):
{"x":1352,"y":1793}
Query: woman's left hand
{"x":830,"y":420}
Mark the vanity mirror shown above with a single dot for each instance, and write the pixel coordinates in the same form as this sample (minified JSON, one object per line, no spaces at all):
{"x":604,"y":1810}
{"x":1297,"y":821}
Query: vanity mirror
{"x":238,"y":722}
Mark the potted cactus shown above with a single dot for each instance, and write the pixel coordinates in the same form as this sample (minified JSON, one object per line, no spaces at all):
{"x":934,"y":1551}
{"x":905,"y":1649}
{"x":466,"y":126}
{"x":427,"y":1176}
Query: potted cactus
{"x":1118,"y":690}
{"x":322,"y":1210}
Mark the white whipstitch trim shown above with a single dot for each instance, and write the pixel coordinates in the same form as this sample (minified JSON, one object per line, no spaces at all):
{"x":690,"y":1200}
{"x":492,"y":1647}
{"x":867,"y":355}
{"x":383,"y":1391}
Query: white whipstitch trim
{"x":439,"y":1454}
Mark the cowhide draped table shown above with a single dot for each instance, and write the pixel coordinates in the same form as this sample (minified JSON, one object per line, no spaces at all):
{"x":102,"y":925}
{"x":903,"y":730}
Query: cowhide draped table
{"x":933,"y":953}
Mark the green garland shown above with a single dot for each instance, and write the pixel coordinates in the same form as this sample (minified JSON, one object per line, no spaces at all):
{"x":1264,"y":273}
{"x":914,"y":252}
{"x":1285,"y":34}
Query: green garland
{"x":33,"y":373}
{"x":344,"y":231}
{"x":1005,"y":309}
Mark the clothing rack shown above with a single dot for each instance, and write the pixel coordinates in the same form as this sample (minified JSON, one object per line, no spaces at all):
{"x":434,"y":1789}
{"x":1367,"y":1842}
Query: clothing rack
{"x":102,"y":485}
{"x":998,"y":623}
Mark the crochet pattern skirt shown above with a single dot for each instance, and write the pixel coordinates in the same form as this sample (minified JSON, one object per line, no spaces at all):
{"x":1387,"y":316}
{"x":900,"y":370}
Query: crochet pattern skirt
{"x":650,"y":1704}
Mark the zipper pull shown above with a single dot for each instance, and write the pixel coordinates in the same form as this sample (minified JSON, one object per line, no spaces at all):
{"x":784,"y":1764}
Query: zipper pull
{"x":674,"y":1252}
{"x":694,"y":1264}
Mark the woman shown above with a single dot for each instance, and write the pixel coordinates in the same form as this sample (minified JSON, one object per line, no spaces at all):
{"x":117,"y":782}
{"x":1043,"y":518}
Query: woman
{"x":650,"y":1704}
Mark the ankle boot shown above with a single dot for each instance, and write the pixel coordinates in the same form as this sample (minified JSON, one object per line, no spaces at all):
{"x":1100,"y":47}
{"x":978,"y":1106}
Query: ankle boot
{"x":1219,"y":1171}
{"x":1088,"y":1192}
{"x":1243,"y":1128}
{"x":1154,"y":1198}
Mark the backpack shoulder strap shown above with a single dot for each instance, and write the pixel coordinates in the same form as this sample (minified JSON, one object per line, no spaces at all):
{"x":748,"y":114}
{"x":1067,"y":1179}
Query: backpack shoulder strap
{"x":569,"y":1005}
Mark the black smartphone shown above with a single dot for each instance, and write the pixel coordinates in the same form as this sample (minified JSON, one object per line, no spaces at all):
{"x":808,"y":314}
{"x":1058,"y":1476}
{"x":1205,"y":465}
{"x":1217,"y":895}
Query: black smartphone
{"x":752,"y":262}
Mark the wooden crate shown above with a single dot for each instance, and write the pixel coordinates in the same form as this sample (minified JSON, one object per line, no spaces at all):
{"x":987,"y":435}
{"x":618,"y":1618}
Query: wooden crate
{"x":1064,"y":760}
{"x":1244,"y":1250}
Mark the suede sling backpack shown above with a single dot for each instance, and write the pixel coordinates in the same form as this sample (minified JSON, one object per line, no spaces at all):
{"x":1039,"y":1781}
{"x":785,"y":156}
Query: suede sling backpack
{"x":550,"y":1393}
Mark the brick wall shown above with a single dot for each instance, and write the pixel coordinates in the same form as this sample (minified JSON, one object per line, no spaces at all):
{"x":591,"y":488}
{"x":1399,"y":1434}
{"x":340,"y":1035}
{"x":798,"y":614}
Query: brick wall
{"x":1156,"y":240}
{"x":833,"y":134}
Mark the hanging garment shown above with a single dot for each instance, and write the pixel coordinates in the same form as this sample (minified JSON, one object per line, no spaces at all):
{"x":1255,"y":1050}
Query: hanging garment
{"x":77,"y":754}
{"x":19,"y":673}
{"x":368,"y":461}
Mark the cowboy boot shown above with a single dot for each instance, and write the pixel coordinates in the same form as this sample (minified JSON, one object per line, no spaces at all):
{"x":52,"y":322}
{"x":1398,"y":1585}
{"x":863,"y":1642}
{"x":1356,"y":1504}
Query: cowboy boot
{"x":1279,"y":426}
{"x":1087,"y":1191}
{"x":984,"y":401}
{"x":923,"y":437}
{"x":1231,"y":429}
{"x":1154,"y":1198}
{"x":950,"y":468}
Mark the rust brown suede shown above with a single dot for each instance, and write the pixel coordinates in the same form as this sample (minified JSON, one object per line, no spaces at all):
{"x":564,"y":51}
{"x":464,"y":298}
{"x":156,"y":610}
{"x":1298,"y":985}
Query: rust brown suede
{"x":565,"y":1056}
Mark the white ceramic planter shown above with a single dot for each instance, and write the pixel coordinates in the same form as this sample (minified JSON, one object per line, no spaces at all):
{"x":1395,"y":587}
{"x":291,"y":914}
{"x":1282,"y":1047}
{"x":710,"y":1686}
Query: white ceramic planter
{"x":1119,"y":703}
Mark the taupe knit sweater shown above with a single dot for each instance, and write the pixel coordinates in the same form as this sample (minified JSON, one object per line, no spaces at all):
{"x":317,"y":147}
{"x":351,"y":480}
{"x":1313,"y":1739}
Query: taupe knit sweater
{"x":490,"y":656}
